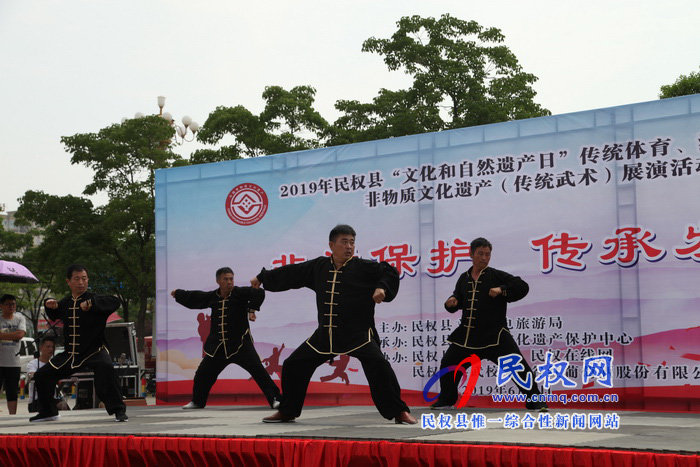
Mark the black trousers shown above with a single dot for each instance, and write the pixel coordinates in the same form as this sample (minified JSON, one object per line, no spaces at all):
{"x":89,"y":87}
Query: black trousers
{"x":106,"y":382}
{"x":9,"y":377}
{"x":455,"y":354}
{"x":299,"y":367}
{"x":247,"y":358}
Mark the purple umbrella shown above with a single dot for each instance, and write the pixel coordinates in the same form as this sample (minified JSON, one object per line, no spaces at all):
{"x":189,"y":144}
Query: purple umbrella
{"x":15,"y":272}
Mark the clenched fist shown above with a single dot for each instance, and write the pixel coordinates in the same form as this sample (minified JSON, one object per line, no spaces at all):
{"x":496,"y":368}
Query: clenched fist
{"x":379,"y":295}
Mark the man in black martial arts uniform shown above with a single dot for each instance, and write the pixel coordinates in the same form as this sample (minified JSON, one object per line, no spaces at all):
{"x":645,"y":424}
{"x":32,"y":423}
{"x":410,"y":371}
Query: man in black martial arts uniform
{"x":483,"y":294}
{"x":347,"y":290}
{"x":229,"y":339}
{"x":84,"y":315}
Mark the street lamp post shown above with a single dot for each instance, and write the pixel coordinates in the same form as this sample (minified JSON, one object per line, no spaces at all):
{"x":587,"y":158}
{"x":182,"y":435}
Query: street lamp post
{"x":180,"y":131}
{"x":186,"y":132}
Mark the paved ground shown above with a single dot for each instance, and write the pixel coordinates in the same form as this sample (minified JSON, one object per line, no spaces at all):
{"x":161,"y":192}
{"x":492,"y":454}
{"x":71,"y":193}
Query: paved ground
{"x":637,"y":430}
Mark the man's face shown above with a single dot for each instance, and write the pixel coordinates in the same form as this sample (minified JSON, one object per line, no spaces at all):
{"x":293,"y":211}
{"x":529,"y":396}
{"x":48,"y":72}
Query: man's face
{"x":343,"y":247}
{"x":225,"y":282}
{"x":481,"y":257}
{"x":47,"y":349}
{"x":78,"y":283}
{"x":8,"y":307}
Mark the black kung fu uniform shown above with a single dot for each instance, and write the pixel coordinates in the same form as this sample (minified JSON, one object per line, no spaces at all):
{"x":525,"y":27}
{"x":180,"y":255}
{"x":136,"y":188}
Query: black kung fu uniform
{"x":229,"y":339}
{"x":483,"y":329}
{"x":345,"y":326}
{"x":85,"y":347}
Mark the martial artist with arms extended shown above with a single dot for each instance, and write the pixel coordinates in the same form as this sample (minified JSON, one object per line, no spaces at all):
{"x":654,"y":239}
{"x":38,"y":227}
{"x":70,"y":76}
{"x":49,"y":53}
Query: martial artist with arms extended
{"x":229,"y":339}
{"x":347,"y":290}
{"x":483,"y":294}
{"x":84,"y":315}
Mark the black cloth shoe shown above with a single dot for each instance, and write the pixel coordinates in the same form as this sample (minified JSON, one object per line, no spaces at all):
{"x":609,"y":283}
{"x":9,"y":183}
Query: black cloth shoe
{"x":120,"y":416}
{"x":539,"y":406}
{"x":278,"y":417}
{"x":441,"y":406}
{"x":45,"y":417}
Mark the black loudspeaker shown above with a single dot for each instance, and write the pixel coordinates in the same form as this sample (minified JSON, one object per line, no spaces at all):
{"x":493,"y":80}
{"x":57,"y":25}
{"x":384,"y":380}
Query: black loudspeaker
{"x":85,"y":395}
{"x":121,"y":339}
{"x":129,"y":381}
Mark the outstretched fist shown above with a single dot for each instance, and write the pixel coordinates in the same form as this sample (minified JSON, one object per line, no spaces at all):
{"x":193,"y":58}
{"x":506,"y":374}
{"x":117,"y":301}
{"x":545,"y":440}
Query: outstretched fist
{"x":451,"y":302}
{"x":495,"y":292}
{"x":379,"y":295}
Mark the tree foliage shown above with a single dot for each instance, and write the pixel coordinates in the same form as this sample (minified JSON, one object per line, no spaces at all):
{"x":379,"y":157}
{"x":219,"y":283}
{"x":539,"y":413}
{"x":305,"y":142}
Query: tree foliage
{"x":72,"y":232}
{"x":11,"y":242}
{"x":390,"y":114}
{"x":29,"y":296}
{"x":461,"y":66}
{"x":30,"y":301}
{"x":115,"y":241}
{"x":68,"y":227}
{"x":462,"y":75}
{"x":683,"y":86}
{"x":124,"y":156}
{"x":288,"y":122}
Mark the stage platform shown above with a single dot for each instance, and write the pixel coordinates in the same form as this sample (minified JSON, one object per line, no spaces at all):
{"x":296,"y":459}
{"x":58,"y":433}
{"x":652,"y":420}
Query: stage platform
{"x":659,"y":438}
{"x":663,"y":432}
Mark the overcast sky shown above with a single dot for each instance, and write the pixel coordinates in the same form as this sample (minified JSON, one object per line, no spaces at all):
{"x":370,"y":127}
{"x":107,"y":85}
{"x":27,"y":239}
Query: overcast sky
{"x":70,"y":67}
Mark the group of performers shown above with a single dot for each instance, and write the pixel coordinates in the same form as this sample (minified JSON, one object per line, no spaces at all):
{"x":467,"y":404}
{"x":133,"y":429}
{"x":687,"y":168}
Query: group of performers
{"x":347,"y":290}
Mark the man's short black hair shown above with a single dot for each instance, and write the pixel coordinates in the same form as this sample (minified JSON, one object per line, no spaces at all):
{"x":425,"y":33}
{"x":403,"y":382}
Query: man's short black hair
{"x":75,"y":268}
{"x":341,"y":229}
{"x":224,"y":270}
{"x":7,"y":297}
{"x":478,"y":243}
{"x":47,"y":339}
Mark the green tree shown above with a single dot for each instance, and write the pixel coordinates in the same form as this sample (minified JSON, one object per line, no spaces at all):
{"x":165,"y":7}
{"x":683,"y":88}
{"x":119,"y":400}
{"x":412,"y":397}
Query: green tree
{"x":30,"y":302}
{"x":462,"y":67}
{"x":390,"y":114}
{"x":683,"y":86}
{"x":14,"y":247}
{"x":66,"y":225}
{"x":11,"y":242}
{"x":72,"y":232}
{"x":288,"y":123}
{"x":462,"y":75}
{"x":124,"y":158}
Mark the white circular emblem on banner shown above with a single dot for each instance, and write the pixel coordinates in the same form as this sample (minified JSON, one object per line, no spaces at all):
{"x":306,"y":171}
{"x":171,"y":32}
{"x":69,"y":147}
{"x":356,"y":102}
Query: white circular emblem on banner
{"x":246,"y":204}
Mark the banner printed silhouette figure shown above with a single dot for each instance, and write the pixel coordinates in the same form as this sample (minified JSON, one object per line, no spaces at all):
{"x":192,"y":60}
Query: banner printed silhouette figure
{"x":339,"y":372}
{"x":272,"y":363}
{"x":203,"y":328}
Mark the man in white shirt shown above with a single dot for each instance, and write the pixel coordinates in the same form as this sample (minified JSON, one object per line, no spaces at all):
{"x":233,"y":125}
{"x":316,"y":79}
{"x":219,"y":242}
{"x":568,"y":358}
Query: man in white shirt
{"x":12,"y":329}
{"x":46,"y":350}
